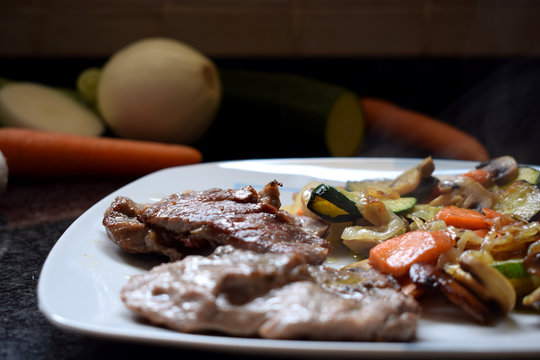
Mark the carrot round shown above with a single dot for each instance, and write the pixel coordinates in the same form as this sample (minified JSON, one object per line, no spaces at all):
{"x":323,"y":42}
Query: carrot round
{"x":422,"y":130}
{"x":463,"y":218}
{"x":41,"y":153}
{"x":396,"y":255}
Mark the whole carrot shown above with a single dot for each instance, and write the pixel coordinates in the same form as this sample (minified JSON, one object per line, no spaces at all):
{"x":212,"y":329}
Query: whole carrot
{"x":41,"y":153}
{"x":422,"y":130}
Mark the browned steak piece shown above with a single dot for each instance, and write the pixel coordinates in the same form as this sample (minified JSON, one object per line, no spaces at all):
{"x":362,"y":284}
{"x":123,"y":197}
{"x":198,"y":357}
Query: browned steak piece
{"x":197,"y":222}
{"x":278,"y":296}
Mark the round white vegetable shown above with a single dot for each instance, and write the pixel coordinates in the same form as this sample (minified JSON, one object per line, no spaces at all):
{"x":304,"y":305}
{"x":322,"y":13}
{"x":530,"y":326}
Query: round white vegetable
{"x":159,"y":89}
{"x":41,"y":107}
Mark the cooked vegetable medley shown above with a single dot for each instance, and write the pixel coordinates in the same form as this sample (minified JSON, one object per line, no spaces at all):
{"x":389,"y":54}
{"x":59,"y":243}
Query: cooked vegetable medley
{"x":473,"y":237}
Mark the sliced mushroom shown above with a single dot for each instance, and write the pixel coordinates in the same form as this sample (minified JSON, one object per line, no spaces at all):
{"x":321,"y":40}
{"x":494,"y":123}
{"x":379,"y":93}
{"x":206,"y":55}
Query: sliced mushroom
{"x":410,"y":179}
{"x":502,"y":169}
{"x":533,"y":299}
{"x":431,"y":277}
{"x":484,"y":280}
{"x":3,"y":173}
{"x":532,"y":266}
{"x":464,"y":192}
{"x":532,"y":260}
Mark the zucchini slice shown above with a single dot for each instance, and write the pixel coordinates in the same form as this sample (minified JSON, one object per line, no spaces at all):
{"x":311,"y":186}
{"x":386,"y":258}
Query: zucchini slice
{"x":512,"y":269}
{"x":332,"y":204}
{"x":338,"y":205}
{"x":400,"y":205}
{"x":529,"y":174}
{"x":520,"y":198}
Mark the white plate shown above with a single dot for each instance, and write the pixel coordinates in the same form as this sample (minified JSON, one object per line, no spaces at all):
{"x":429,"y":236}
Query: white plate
{"x":80,"y":281}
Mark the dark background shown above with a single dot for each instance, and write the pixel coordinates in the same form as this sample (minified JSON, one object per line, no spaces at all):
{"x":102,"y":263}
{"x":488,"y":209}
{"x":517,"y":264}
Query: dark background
{"x":495,"y":99}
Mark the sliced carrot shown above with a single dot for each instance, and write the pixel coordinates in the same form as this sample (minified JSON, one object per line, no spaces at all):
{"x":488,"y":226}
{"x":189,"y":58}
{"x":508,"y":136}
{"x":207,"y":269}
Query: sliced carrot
{"x":463,"y":218}
{"x":479,"y":175}
{"x":41,"y":153}
{"x":421,"y":130}
{"x":481,"y":232}
{"x":396,"y":255}
{"x":491,"y":214}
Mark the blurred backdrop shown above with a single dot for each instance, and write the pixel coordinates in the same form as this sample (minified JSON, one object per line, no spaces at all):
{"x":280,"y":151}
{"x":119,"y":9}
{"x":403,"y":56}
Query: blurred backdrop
{"x":471,"y":63}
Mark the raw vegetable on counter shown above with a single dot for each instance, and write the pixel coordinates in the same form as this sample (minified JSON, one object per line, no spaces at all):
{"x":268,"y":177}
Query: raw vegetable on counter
{"x":474,"y":236}
{"x":37,"y":106}
{"x":158,"y":89}
{"x":182,"y":94}
{"x":413,"y":127}
{"x":299,"y":108}
{"x":45,"y":153}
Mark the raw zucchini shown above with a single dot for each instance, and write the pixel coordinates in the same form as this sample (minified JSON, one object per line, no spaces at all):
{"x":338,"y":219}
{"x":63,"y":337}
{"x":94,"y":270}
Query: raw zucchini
{"x":41,"y":107}
{"x":322,"y":118}
{"x":332,"y":204}
{"x":520,"y":198}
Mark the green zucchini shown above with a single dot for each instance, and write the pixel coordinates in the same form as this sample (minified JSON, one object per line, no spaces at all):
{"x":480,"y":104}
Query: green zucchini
{"x":303,"y":110}
{"x":520,"y":198}
{"x":512,"y":269}
{"x":401,"y":204}
{"x":339,"y":205}
{"x":529,"y":174}
{"x":332,"y":204}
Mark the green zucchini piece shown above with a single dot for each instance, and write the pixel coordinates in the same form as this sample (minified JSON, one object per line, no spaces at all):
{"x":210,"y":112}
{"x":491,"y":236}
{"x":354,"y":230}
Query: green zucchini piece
{"x":332,"y":204}
{"x":520,"y":198}
{"x":329,"y":117}
{"x":400,"y":205}
{"x":338,"y":205}
{"x":529,"y":174}
{"x":512,"y":269}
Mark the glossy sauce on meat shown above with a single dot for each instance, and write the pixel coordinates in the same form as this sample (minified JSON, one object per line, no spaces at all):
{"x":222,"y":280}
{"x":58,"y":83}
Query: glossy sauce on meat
{"x":278,"y":296}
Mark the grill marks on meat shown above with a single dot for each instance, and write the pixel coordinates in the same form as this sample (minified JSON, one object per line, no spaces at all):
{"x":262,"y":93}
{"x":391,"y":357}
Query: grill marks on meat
{"x":253,"y":271}
{"x":278,"y":296}
{"x":198,"y":222}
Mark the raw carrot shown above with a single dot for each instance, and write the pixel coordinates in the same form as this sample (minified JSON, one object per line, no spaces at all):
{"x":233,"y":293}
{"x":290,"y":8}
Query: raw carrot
{"x":463,"y":218}
{"x":396,"y":255}
{"x":479,"y":175}
{"x":421,"y":130}
{"x":33,"y":152}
